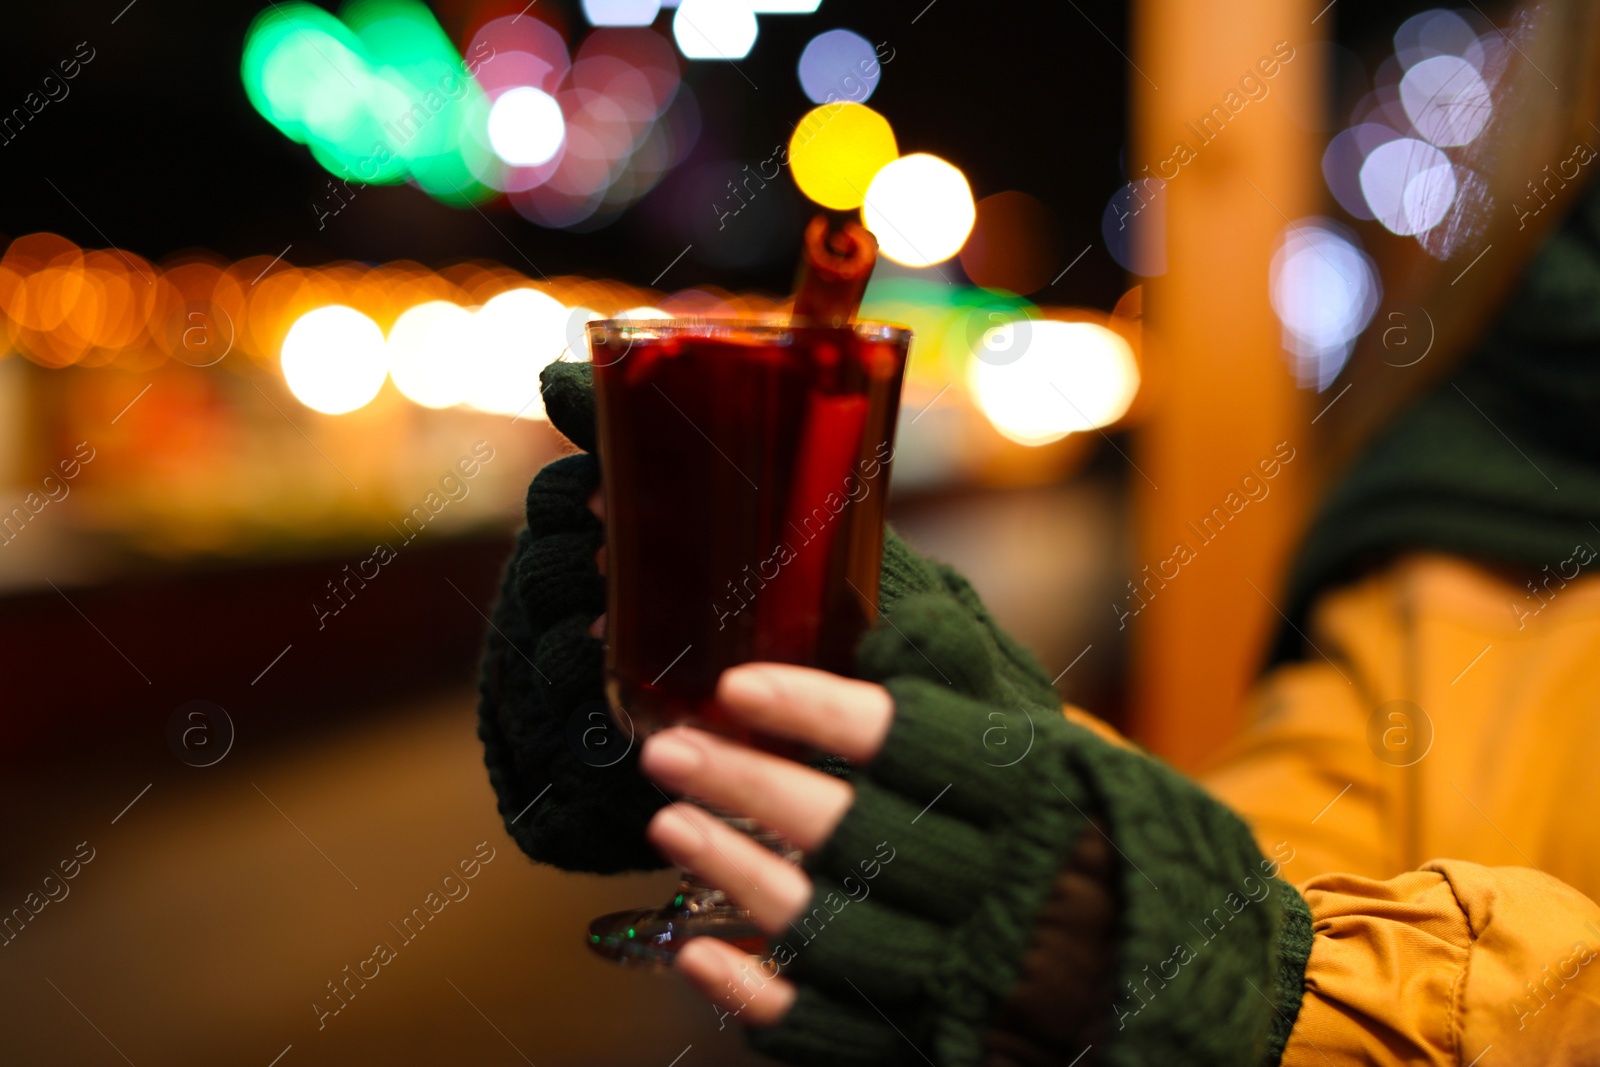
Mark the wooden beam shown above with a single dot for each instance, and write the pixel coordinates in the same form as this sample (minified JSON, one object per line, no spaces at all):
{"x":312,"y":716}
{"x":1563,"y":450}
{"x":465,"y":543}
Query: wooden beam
{"x":1220,"y":99}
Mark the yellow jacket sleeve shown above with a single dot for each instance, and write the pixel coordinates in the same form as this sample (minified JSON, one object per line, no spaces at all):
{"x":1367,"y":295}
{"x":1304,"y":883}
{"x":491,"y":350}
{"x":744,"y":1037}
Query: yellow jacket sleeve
{"x":1453,"y":964}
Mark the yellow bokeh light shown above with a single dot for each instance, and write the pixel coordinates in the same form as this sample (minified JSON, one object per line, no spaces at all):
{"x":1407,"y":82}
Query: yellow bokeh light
{"x":1039,"y":380}
{"x":334,"y":359}
{"x":836,"y":151}
{"x":920,"y":209}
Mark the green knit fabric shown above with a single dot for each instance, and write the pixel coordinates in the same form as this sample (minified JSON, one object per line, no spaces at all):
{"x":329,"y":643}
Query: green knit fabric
{"x":978,"y":835}
{"x":1501,"y":462}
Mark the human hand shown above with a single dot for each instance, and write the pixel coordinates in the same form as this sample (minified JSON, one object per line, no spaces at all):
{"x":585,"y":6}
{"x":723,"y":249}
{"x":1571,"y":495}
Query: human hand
{"x":801,"y":705}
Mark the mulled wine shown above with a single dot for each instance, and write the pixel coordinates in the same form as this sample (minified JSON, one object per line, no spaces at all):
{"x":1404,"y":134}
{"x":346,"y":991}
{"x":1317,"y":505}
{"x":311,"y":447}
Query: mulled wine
{"x":746,"y":474}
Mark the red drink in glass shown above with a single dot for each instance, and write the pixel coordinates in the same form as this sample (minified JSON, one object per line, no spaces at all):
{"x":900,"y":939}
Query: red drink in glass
{"x":746,"y":474}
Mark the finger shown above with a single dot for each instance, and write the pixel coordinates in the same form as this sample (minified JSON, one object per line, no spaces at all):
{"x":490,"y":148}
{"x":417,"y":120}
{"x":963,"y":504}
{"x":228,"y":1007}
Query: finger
{"x":597,"y":503}
{"x":736,"y":981}
{"x":797,"y":802}
{"x":770,"y":887}
{"x":843,"y":716}
{"x":597,"y":629}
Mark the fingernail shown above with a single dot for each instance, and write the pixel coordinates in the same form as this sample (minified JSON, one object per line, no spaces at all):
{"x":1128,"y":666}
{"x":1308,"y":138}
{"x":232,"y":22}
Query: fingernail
{"x":671,"y":832}
{"x":669,"y":754}
{"x":747,"y":686}
{"x":703,"y":962}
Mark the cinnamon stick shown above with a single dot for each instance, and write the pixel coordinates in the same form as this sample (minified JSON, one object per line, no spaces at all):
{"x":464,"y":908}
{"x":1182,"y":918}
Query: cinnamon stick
{"x":835,"y":267}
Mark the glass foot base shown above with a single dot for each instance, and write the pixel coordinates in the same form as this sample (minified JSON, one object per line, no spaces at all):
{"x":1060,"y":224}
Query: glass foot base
{"x":653,"y":936}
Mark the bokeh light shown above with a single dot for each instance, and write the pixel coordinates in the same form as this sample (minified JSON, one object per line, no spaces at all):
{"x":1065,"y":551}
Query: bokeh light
{"x":1343,"y":159}
{"x":526,"y":127}
{"x":425,"y":353}
{"x":1070,"y":377}
{"x":1325,"y":291}
{"x":1013,"y":244}
{"x":1408,"y":185}
{"x":378,"y":98}
{"x":334,"y":359}
{"x":621,"y":12}
{"x":1446,"y":100}
{"x":836,"y":151}
{"x":715,"y":29}
{"x":521,"y":51}
{"x":839,"y":65}
{"x":1134,"y":226}
{"x":920,"y":209}
{"x":628,"y":120}
{"x":513,"y":336}
{"x":1437,"y":32}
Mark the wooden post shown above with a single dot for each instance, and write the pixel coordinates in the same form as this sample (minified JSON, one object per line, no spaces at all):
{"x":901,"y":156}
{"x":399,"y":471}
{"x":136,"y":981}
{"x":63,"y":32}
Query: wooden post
{"x":1233,"y":87}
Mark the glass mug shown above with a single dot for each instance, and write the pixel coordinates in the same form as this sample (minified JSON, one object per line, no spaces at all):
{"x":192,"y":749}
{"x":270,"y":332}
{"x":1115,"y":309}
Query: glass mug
{"x":746,"y":477}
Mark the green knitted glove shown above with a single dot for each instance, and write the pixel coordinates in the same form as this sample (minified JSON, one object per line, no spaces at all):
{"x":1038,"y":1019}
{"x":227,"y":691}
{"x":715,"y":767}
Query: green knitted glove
{"x":930,"y":891}
{"x":542,"y":715}
{"x":566,"y":780}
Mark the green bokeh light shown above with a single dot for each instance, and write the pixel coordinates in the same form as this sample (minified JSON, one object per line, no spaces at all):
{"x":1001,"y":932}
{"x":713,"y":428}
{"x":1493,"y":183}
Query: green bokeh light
{"x":379,"y":95}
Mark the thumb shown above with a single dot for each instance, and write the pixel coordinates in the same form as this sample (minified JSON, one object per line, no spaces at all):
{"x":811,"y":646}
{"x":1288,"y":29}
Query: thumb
{"x":568,"y":390}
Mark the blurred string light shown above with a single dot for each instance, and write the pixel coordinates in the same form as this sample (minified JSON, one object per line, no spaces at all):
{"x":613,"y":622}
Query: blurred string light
{"x":1324,"y":290}
{"x":837,"y":150}
{"x":334,"y":359}
{"x":1433,"y":93}
{"x":715,"y":29}
{"x":1408,"y":185}
{"x":621,"y":12}
{"x":526,"y":127}
{"x":1440,"y":32}
{"x":424,"y":351}
{"x":839,"y":65}
{"x":513,"y":336}
{"x":920,"y":209}
{"x":1446,"y":99}
{"x":380,"y":97}
{"x":476,"y":335}
{"x":1067,"y":378}
{"x":1134,"y":227}
{"x":628,"y":120}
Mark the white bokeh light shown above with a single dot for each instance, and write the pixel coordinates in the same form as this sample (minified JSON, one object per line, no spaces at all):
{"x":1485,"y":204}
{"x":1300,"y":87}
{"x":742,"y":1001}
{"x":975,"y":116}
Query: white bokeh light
{"x":526,"y":127}
{"x":621,"y":12}
{"x":427,"y":353}
{"x":1408,"y":184}
{"x":1446,"y":99}
{"x":1071,"y":377}
{"x":1324,"y":290}
{"x":920,"y":209}
{"x":513,"y":337}
{"x":1437,"y":32}
{"x":715,"y":29}
{"x":334,"y":359}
